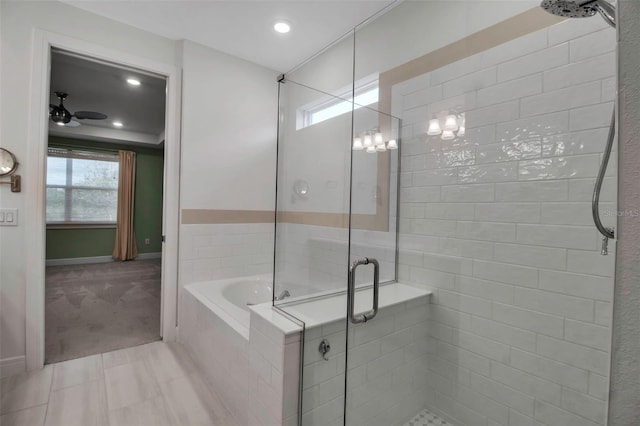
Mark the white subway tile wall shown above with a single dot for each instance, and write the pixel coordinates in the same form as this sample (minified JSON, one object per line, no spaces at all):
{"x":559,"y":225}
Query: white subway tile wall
{"x":219,"y":251}
{"x":387,"y":373}
{"x":498,"y":222}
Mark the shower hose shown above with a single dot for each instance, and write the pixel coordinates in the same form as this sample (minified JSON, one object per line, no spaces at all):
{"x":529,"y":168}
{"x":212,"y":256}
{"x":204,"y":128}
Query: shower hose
{"x":606,"y":232}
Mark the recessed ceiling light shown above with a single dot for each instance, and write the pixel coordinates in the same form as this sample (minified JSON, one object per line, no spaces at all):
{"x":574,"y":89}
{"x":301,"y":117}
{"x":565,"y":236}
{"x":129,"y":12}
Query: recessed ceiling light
{"x":282,"y":27}
{"x":133,"y":82}
{"x":117,"y":124}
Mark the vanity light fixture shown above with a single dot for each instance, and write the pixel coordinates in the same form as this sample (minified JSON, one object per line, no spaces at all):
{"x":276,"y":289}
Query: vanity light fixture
{"x":372,"y":141}
{"x":117,"y":124}
{"x":133,"y":81}
{"x":448,"y":125}
{"x":282,"y":27}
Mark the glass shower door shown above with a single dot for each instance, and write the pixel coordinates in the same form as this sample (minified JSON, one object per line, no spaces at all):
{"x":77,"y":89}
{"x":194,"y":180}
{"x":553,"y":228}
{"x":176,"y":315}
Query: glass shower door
{"x":383,"y":368}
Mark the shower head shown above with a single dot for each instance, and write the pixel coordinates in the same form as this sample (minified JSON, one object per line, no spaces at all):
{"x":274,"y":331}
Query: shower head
{"x":581,"y":9}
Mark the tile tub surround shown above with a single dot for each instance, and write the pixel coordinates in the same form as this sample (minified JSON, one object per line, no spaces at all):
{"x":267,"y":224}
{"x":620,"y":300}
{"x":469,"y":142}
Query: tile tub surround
{"x":152,"y":384}
{"x":222,"y":250}
{"x":220,"y":352}
{"x":499,"y":223}
{"x":247,"y":370}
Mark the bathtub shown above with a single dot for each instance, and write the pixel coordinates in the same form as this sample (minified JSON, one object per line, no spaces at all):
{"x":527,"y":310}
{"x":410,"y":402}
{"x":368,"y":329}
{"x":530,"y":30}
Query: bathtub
{"x":250,"y":353}
{"x":214,"y":328}
{"x":230,"y":299}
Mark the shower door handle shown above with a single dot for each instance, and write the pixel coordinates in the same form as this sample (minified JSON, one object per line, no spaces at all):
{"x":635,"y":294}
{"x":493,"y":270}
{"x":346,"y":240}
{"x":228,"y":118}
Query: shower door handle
{"x":351,"y":292}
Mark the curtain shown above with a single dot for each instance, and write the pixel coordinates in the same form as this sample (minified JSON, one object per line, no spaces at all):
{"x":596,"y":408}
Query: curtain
{"x":125,"y":247}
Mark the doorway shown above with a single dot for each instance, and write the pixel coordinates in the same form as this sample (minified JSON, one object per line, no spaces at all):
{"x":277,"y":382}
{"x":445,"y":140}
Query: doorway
{"x":96,"y":300}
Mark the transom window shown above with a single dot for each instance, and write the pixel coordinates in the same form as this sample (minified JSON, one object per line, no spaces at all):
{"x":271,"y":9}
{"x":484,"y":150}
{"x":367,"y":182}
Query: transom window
{"x":366,"y":93}
{"x":82,"y":187}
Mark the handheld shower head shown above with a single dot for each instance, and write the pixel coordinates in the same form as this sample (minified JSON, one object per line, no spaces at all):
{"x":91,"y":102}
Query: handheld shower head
{"x":581,"y":9}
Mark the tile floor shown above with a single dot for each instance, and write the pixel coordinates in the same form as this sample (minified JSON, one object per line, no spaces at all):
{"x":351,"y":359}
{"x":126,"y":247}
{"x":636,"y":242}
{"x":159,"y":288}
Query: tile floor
{"x":426,"y":418}
{"x":154,"y":384}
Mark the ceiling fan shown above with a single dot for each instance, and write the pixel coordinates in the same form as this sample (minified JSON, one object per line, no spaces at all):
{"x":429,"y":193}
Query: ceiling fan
{"x":61,"y":116}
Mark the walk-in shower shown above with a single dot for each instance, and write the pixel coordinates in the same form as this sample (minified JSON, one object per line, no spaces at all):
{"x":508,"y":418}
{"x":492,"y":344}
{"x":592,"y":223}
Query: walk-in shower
{"x":585,"y":9}
{"x":498,"y":306}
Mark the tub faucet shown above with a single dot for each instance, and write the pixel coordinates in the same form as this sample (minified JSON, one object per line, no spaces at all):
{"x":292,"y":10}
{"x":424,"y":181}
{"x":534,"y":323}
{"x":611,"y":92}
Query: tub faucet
{"x":285,"y":293}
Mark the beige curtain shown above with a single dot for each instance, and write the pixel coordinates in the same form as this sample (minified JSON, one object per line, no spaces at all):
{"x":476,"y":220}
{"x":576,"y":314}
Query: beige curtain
{"x":125,"y":247}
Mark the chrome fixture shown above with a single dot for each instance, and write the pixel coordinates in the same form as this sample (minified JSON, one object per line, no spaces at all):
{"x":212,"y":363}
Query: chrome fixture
{"x":285,"y":293}
{"x":351,"y":293}
{"x":448,"y":124}
{"x":585,"y":9}
{"x":581,"y":9}
{"x":324,"y":349}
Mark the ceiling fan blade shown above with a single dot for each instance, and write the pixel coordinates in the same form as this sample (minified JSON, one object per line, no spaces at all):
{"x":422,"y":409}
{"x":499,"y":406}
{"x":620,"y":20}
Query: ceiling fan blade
{"x":72,"y":123}
{"x":91,"y":115}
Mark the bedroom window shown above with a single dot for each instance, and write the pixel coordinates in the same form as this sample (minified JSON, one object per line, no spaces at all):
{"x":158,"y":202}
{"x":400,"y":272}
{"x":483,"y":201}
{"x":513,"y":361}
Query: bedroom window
{"x":82,"y":187}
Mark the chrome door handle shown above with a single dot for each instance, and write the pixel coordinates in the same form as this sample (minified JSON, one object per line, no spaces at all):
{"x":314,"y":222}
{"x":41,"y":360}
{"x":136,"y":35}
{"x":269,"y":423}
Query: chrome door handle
{"x":351,"y":293}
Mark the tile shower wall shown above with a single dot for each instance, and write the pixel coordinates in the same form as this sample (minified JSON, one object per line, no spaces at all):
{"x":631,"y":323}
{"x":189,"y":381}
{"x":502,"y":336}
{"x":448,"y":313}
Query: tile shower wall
{"x":313,"y":259}
{"x":219,"y":251}
{"x":387,"y":374}
{"x":499,"y":223}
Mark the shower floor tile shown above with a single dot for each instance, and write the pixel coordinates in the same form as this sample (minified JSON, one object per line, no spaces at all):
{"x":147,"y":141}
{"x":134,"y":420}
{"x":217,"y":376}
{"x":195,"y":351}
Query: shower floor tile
{"x":427,"y":418}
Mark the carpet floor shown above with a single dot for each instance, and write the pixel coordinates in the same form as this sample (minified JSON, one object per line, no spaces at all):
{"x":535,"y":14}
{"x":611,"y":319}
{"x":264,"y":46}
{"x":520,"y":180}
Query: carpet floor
{"x":96,"y":308}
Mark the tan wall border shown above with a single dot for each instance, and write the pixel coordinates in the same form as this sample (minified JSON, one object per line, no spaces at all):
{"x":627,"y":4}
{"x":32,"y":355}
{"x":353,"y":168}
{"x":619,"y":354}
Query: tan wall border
{"x":210,"y":216}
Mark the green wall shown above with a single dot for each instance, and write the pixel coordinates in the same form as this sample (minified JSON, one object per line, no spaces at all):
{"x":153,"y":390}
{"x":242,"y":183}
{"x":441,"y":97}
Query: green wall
{"x":147,"y":217}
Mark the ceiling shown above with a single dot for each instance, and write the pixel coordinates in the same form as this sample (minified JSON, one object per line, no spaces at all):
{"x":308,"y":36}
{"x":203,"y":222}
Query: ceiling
{"x":244,"y":28}
{"x":101,"y":87}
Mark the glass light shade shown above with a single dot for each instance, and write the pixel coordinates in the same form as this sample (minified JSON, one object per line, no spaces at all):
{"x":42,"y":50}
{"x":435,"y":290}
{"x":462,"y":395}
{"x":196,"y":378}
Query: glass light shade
{"x":357,"y":144}
{"x":434,"y":127}
{"x":392,"y":144}
{"x":381,"y":148}
{"x":371,"y":149}
{"x":377,"y":139}
{"x":368,"y":142}
{"x":447,"y":135}
{"x":451,"y":123}
{"x":461,"y":131}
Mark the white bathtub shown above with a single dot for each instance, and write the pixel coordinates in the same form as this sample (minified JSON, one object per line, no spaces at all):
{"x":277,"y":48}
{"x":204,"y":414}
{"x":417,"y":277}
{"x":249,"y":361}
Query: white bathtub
{"x":229,"y":299}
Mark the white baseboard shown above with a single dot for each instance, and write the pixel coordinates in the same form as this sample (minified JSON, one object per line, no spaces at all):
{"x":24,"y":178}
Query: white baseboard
{"x":12,"y":366}
{"x":97,"y":259}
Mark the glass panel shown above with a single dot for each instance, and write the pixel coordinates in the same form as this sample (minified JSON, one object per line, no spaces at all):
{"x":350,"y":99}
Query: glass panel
{"x":55,"y":204}
{"x":376,"y":363}
{"x":95,"y":173}
{"x":505,"y":113}
{"x":312,"y":229}
{"x":89,"y":205}
{"x":56,"y":171}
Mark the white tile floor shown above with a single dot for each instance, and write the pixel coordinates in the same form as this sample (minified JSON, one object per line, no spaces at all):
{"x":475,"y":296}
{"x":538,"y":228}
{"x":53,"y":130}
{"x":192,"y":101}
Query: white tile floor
{"x":426,"y":418}
{"x":154,"y":384}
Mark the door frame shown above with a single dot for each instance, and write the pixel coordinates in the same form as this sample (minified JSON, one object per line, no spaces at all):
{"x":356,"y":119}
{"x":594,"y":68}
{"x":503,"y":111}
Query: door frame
{"x":37,"y":143}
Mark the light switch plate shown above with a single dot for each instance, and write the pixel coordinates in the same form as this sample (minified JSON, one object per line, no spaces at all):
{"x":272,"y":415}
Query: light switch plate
{"x":9,"y":217}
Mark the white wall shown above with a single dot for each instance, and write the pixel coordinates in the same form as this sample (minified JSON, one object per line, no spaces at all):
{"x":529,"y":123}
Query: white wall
{"x":229,"y":124}
{"x":19,"y":19}
{"x":229,"y":130}
{"x":499,"y":222}
{"x":228,"y":146}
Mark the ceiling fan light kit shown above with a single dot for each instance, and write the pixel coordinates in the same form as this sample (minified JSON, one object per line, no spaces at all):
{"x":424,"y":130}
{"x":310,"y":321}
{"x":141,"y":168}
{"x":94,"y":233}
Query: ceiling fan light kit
{"x":61,"y":116}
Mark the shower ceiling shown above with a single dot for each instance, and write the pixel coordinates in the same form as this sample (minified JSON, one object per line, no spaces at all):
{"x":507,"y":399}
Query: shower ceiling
{"x":244,"y":28}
